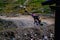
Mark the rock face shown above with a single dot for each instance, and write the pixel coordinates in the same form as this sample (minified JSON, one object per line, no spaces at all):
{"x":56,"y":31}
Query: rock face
{"x":7,"y":24}
{"x":26,"y":21}
{"x":21,"y":21}
{"x":24,"y":34}
{"x":29,"y":33}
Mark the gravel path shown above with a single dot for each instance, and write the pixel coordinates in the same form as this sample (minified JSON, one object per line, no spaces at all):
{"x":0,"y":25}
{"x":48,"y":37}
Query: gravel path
{"x":27,"y":21}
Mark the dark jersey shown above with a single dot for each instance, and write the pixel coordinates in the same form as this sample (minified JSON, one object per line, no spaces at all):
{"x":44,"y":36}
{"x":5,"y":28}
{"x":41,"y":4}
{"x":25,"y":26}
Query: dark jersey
{"x":35,"y":16}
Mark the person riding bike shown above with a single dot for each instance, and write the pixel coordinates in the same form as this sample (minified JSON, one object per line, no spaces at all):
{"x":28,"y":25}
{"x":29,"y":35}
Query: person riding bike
{"x":36,"y":18}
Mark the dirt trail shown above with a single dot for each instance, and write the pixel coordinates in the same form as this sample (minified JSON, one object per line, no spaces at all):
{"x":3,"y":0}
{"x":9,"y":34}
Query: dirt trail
{"x":28,"y":20}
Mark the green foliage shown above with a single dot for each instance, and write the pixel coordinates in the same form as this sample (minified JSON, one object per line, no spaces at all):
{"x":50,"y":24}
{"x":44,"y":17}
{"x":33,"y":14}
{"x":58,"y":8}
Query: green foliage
{"x":36,"y":4}
{"x":21,"y":1}
{"x":8,"y":6}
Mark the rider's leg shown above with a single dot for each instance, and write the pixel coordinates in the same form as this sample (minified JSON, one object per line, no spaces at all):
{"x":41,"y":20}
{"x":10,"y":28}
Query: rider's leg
{"x":39,"y":21}
{"x":34,"y":21}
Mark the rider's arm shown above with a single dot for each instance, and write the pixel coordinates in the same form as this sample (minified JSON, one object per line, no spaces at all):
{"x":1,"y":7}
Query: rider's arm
{"x":31,"y":14}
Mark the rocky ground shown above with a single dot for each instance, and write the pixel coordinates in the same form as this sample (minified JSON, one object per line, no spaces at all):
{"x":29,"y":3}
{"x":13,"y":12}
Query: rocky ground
{"x":29,"y":30}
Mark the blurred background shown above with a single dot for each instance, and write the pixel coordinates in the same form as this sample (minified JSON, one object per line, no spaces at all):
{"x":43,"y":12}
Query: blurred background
{"x":12,"y":7}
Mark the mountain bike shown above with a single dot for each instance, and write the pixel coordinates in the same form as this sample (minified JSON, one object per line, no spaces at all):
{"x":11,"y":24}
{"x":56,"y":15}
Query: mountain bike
{"x":37,"y":23}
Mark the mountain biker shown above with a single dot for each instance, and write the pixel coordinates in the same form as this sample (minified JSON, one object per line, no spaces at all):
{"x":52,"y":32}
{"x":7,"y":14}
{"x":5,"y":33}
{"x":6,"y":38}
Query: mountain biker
{"x":36,"y":18}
